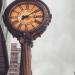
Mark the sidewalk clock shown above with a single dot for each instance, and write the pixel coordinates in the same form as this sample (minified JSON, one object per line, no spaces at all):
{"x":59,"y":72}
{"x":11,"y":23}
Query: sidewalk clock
{"x":26,"y":20}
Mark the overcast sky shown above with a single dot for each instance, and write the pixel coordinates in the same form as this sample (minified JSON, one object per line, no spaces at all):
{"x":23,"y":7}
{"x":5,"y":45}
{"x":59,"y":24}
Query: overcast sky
{"x":54,"y":52}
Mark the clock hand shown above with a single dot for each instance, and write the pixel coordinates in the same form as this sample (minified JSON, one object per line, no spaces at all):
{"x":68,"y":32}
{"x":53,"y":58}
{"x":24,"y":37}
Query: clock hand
{"x":34,"y":11}
{"x":23,"y":17}
{"x":38,"y":16}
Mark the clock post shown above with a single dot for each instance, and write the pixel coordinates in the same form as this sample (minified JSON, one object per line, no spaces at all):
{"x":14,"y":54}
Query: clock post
{"x":25,"y":65}
{"x":26,"y":20}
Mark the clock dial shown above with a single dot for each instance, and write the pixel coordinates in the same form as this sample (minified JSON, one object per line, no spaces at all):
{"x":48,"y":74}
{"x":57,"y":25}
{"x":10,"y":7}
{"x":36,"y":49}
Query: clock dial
{"x":26,"y":16}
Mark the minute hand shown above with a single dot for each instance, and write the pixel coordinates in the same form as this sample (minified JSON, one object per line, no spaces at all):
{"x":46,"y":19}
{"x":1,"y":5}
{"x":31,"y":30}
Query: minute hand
{"x":34,"y":12}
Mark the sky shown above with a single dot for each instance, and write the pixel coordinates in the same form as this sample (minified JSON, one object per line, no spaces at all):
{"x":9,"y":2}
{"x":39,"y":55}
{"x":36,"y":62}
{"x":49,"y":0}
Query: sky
{"x":54,"y":52}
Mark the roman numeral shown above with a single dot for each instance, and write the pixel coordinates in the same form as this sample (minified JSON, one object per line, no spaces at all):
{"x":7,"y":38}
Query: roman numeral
{"x":19,"y":27}
{"x":38,"y":22}
{"x":27,"y":6}
{"x":36,"y":10}
{"x":26,"y":28}
{"x":38,"y":16}
{"x":21,"y":7}
{"x":16,"y":11}
{"x":33,"y":26}
{"x":16,"y":21}
{"x":32,"y":7}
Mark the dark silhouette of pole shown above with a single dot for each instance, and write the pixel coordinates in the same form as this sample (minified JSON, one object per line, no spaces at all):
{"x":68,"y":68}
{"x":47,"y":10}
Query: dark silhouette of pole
{"x":25,"y":64}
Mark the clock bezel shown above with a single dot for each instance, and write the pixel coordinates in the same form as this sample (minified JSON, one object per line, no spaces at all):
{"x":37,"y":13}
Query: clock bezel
{"x":39,"y":30}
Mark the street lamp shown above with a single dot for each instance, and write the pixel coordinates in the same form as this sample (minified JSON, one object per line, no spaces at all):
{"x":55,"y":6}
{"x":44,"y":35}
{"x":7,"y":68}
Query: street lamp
{"x":26,"y":20}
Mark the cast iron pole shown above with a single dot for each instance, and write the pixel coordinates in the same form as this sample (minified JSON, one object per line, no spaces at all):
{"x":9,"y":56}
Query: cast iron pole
{"x":25,"y":64}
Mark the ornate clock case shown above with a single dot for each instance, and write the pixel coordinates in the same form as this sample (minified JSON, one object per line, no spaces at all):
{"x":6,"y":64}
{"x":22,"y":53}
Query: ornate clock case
{"x":27,"y":17}
{"x":26,"y":20}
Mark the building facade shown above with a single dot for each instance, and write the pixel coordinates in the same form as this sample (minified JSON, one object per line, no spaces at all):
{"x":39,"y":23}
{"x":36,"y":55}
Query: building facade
{"x":14,"y":60}
{"x":4,"y":64}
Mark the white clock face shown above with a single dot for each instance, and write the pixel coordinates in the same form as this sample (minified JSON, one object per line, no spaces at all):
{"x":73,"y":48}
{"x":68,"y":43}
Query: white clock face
{"x":26,"y":16}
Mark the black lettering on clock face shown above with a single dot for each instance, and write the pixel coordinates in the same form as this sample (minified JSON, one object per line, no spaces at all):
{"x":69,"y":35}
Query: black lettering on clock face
{"x":38,"y":16}
{"x":38,"y":22}
{"x":16,"y":11}
{"x":33,"y":7}
{"x":27,"y":6}
{"x":21,"y":8}
{"x":33,"y":26}
{"x":20,"y":25}
{"x":26,"y":27}
{"x":15,"y":21}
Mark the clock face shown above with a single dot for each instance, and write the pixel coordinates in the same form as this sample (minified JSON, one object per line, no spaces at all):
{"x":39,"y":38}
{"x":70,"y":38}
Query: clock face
{"x":26,"y":16}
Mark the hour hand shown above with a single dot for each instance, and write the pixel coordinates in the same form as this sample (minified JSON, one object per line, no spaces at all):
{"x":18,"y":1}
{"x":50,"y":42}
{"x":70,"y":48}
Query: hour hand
{"x":35,"y":11}
{"x":23,"y":17}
